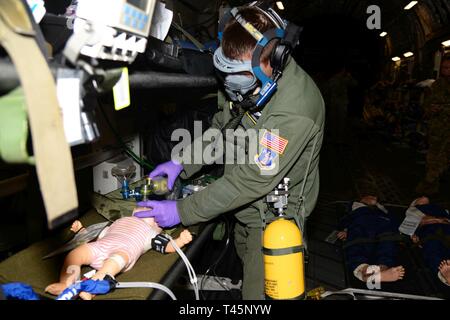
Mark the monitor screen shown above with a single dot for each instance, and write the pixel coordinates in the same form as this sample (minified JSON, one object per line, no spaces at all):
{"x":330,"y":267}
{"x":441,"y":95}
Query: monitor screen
{"x":141,"y":4}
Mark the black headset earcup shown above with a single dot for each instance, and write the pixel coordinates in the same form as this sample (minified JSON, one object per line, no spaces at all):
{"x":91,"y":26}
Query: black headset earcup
{"x":279,"y":56}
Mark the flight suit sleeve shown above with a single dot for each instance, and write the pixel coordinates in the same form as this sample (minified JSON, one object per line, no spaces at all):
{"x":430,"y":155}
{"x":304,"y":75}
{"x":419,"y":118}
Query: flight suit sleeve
{"x":192,"y":166}
{"x":246,"y":183}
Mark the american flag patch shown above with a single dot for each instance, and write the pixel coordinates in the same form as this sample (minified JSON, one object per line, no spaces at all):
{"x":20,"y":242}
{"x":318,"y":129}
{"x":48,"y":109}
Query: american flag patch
{"x":274,"y":142}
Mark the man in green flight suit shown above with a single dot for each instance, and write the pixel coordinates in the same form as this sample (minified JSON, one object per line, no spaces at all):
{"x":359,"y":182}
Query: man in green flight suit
{"x":437,"y":109}
{"x":290,"y":130}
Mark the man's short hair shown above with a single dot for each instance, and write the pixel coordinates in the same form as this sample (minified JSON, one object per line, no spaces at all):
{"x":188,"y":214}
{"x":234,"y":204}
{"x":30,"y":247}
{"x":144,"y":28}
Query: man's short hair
{"x":237,"y":42}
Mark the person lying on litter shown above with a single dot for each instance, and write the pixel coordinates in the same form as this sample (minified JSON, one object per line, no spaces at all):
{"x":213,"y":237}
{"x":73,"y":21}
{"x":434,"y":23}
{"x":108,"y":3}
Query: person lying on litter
{"x":432,"y":233}
{"x":370,"y":238}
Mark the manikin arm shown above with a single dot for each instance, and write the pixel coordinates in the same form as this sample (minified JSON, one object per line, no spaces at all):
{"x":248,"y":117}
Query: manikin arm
{"x":184,"y":238}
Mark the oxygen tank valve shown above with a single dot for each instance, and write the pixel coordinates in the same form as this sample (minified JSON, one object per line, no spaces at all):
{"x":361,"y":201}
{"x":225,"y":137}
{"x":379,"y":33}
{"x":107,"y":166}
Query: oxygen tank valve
{"x":278,"y":198}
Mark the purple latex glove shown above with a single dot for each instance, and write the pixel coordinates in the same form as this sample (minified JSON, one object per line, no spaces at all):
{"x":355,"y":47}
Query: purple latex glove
{"x":170,"y":168}
{"x":165,"y":212}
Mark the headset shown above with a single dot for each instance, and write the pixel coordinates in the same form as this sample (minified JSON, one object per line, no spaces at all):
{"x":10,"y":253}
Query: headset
{"x":288,"y":35}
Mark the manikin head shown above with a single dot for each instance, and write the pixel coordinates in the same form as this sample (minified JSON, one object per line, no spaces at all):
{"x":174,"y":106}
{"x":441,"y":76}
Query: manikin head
{"x":421,"y":201}
{"x":369,"y":200}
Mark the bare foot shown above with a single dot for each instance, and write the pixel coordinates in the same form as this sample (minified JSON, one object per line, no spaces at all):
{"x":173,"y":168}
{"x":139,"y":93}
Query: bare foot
{"x":433,"y":220}
{"x":86,"y":296}
{"x":56,"y":288}
{"x":369,"y":200}
{"x":392,"y":274}
{"x":444,"y":269}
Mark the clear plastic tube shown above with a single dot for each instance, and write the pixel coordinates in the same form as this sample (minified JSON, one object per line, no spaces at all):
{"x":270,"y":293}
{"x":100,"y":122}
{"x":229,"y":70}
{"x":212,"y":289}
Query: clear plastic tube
{"x":154,"y":285}
{"x":190,"y":269}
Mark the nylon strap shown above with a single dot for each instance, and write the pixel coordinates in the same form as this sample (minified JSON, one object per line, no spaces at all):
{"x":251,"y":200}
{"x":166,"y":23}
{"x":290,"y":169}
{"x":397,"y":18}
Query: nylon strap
{"x":300,"y":297}
{"x":189,"y":36}
{"x":53,"y":157}
{"x":283,"y":251}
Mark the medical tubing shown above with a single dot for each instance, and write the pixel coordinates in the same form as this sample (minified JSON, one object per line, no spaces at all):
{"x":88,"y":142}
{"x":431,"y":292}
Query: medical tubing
{"x":123,"y":285}
{"x":190,"y":269}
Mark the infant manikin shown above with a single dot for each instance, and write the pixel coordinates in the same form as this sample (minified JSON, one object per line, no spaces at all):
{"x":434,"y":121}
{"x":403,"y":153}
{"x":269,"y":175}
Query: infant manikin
{"x":116,"y":250}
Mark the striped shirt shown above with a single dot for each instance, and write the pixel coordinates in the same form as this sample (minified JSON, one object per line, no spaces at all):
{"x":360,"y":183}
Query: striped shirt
{"x":131,"y":236}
